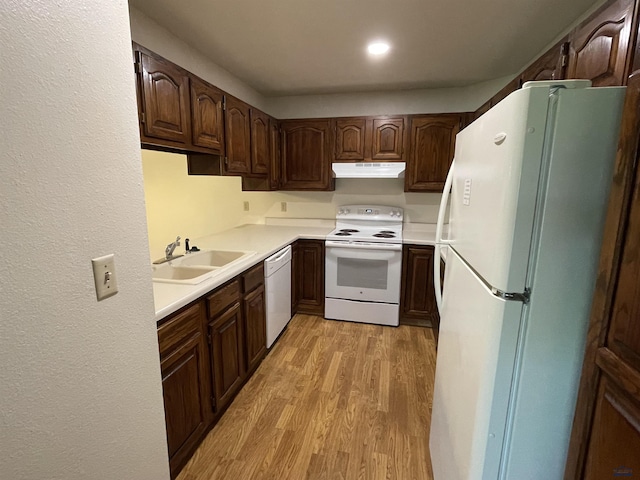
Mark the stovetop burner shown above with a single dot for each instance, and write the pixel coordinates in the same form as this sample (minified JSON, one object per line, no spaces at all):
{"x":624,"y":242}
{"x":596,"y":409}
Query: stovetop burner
{"x":349,"y":230}
{"x":342,"y":233}
{"x":388,"y":231}
{"x":384,"y":235}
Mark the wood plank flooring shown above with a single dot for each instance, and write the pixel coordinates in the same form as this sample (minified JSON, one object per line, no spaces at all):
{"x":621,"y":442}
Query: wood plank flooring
{"x":332,"y":400}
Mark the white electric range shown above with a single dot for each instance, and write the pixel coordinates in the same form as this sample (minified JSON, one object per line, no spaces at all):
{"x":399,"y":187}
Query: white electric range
{"x":363,"y":265}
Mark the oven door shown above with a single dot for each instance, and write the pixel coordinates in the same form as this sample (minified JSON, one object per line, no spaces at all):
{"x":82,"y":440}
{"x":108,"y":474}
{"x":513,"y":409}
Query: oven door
{"x":367,"y":272}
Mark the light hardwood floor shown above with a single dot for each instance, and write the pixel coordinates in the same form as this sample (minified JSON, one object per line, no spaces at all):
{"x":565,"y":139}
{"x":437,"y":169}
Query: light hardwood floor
{"x":332,"y":400}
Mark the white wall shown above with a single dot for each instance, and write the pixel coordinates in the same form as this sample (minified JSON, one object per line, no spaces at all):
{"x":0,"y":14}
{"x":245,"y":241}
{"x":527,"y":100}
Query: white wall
{"x":158,"y":39}
{"x":194,"y":206}
{"x":80,"y":391}
{"x":440,"y":100}
{"x":191,"y":206}
{"x":155,"y":37}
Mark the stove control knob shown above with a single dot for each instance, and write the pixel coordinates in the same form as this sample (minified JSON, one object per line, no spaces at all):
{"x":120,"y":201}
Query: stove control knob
{"x":346,"y":210}
{"x":340,"y":212}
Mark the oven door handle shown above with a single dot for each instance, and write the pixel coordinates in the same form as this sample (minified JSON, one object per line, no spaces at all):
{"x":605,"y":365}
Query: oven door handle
{"x":364,"y":246}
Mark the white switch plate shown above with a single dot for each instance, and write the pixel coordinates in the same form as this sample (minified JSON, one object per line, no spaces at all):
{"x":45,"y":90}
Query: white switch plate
{"x":104,"y":276}
{"x":246,"y":206}
{"x":283,"y":206}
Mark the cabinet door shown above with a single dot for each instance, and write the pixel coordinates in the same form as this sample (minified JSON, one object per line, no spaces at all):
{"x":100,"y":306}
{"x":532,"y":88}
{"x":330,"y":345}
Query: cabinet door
{"x":185,"y":382}
{"x":432,"y":147}
{"x":207,"y":119}
{"x":309,"y":265}
{"x":550,"y":66}
{"x":238,"y":136}
{"x":418,"y":302}
{"x":350,"y":135}
{"x":227,"y":352}
{"x":165,"y":99}
{"x":306,"y":155}
{"x":255,"y":327}
{"x":599,"y":49}
{"x":605,"y":441}
{"x":388,"y":138}
{"x":260,"y":148}
{"x":274,"y":174}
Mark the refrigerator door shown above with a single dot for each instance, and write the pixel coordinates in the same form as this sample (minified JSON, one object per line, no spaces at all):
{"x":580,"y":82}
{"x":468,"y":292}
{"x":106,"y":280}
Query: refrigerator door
{"x":474,"y":370}
{"x":495,"y":185}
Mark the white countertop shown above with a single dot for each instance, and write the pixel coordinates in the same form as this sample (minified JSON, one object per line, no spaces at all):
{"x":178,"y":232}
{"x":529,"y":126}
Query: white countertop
{"x":265,"y":240}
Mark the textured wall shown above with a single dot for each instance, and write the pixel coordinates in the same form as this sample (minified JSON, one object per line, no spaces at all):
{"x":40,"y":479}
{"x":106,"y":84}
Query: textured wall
{"x":80,"y":392}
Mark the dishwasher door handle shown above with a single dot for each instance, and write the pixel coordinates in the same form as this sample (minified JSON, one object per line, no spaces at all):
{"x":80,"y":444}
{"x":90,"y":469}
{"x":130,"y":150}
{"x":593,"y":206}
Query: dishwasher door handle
{"x":278,"y":257}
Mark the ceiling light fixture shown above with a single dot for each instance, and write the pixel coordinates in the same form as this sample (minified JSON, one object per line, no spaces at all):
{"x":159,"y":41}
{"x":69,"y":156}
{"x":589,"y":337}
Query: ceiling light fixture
{"x":378,"y":48}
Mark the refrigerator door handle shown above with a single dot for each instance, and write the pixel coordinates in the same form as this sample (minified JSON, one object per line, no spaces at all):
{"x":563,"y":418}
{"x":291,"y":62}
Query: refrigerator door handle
{"x":446,"y":192}
{"x":516,"y":297}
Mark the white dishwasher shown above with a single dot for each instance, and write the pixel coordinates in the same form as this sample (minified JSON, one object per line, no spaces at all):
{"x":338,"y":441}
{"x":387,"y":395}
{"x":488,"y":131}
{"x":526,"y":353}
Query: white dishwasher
{"x":277,"y":279}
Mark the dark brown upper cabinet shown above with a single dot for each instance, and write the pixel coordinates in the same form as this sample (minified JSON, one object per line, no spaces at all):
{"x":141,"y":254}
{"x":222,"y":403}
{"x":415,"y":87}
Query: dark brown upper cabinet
{"x":599,"y":48}
{"x":550,"y":66}
{"x":432,"y":147}
{"x":163,"y":99}
{"x":270,"y":181}
{"x":274,"y":174}
{"x":260,"y":143}
{"x":388,"y":138}
{"x":350,"y":139}
{"x":238,"y":137}
{"x":306,"y":153}
{"x":207,"y":115}
{"x":381,"y":138}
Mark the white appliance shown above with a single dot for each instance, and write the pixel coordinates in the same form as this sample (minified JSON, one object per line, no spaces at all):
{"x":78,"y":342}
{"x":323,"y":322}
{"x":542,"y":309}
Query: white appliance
{"x":277,"y":279}
{"x":363,"y":263}
{"x":530,"y":185}
{"x":368,"y":170}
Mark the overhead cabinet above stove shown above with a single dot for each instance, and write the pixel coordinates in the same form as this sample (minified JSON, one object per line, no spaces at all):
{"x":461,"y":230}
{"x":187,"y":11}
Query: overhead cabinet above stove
{"x":366,"y":139}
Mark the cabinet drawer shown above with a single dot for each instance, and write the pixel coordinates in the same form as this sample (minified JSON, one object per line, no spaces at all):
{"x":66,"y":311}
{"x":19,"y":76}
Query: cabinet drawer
{"x":223,"y":297}
{"x":173,"y":332}
{"x":253,"y":278}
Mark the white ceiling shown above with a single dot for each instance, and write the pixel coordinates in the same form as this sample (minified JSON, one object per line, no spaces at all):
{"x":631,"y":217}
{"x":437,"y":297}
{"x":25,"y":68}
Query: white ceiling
{"x":287,"y":47}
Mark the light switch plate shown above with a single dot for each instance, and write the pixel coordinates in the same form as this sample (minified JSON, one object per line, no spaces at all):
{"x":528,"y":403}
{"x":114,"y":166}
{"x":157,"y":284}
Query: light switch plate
{"x":104,"y":276}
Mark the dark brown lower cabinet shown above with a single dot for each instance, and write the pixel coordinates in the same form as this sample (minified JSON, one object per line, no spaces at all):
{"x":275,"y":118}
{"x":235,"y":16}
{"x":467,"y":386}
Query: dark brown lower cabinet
{"x":185,"y":382}
{"x":207,"y":351}
{"x":307,"y":282}
{"x":227,"y":354}
{"x":255,"y":327}
{"x":418,"y":301}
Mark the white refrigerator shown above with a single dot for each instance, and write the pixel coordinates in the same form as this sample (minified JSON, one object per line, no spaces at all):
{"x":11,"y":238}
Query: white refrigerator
{"x":529,"y":190}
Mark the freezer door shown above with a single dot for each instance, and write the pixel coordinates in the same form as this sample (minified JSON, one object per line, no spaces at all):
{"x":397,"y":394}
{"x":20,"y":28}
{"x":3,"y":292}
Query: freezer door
{"x":493,"y":197}
{"x":474,"y":369}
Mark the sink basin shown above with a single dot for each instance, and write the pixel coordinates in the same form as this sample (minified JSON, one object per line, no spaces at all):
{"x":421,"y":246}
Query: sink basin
{"x":194,"y":268}
{"x":214,"y":258}
{"x":182,"y":274}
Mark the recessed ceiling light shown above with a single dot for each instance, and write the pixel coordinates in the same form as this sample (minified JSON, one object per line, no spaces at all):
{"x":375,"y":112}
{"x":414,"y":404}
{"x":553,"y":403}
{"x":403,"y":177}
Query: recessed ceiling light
{"x":378,"y":48}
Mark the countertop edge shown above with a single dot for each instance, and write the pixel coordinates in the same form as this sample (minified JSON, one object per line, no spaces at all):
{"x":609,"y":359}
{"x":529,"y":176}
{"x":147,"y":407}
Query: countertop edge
{"x":195,"y":292}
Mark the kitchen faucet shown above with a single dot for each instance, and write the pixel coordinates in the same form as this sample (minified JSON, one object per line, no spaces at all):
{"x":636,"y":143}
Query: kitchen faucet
{"x":170,"y":248}
{"x":168,"y":252}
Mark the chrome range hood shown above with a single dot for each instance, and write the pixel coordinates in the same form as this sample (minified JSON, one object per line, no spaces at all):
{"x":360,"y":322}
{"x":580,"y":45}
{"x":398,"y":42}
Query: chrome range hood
{"x":369,"y":170}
